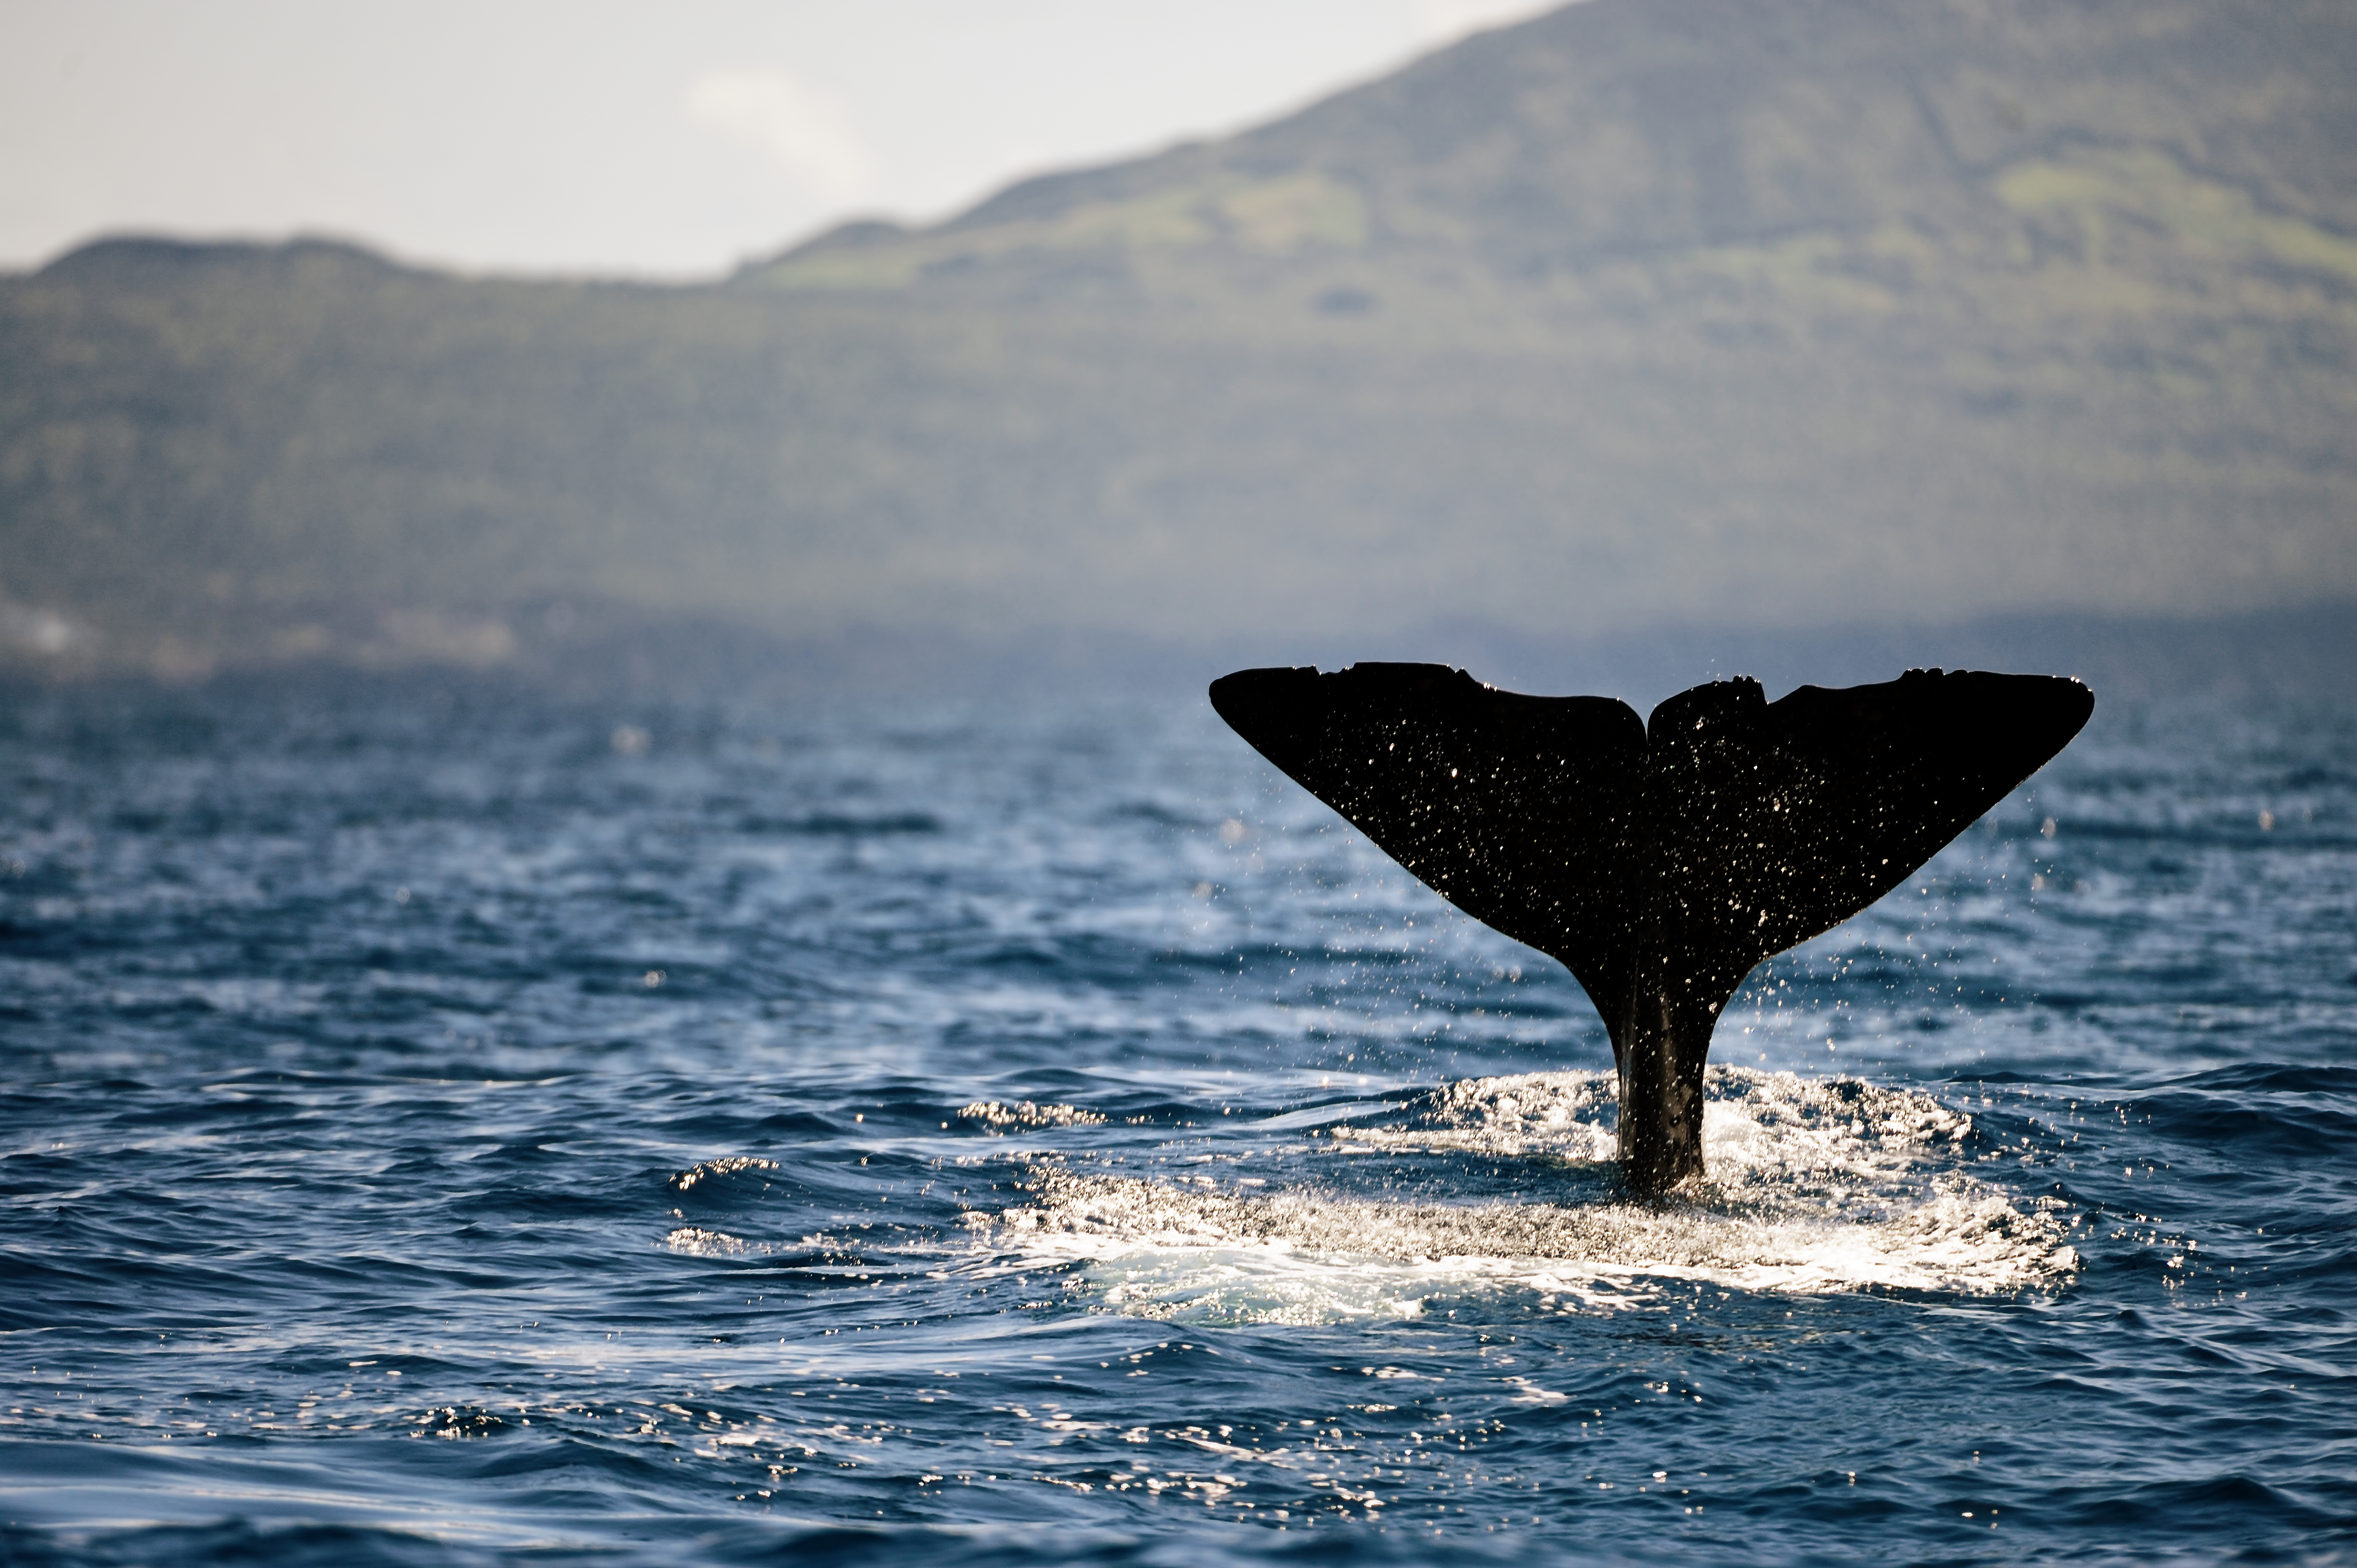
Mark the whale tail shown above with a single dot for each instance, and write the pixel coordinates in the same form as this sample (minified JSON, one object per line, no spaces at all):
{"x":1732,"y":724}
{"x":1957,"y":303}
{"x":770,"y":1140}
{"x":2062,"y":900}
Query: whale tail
{"x":1659,"y":860}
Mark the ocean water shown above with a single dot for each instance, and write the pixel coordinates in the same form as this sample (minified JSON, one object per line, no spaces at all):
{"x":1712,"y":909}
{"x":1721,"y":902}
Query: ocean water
{"x":442,"y":1123}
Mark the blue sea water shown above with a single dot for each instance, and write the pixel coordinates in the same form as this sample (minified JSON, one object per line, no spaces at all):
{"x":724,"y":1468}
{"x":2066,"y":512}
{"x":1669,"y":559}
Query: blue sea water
{"x":443,"y":1124}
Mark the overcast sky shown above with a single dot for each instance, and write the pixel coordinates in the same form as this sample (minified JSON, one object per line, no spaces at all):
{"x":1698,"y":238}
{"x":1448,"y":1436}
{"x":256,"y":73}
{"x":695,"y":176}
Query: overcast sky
{"x":585,"y":137}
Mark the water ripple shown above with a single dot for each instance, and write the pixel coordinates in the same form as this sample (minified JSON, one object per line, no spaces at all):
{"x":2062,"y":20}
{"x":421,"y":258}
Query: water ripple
{"x":434,"y":1135}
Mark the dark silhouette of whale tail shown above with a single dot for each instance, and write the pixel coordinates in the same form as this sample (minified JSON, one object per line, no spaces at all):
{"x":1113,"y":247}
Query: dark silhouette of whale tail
{"x":1658,"y":860}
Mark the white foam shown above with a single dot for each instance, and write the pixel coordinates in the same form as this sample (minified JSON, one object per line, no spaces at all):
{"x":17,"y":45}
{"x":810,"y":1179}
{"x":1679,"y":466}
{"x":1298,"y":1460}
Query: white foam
{"x":1815,"y":1186}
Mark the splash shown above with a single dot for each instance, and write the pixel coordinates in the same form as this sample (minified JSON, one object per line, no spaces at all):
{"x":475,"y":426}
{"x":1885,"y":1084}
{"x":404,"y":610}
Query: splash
{"x":1764,"y":1133}
{"x":1817,"y":1186}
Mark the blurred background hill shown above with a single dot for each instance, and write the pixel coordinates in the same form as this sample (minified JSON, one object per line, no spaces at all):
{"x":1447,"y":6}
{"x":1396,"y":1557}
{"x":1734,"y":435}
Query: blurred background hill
{"x":1646,"y":335}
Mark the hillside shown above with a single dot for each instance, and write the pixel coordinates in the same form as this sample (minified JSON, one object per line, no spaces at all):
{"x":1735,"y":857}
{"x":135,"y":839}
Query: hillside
{"x":1646,"y":314}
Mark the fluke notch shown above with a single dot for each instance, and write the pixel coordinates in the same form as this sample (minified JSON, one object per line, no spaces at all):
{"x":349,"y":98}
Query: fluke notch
{"x":1659,"y":860}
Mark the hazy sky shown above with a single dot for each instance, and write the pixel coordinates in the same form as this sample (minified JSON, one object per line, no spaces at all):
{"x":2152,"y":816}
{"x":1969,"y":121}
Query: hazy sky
{"x":582,"y":135}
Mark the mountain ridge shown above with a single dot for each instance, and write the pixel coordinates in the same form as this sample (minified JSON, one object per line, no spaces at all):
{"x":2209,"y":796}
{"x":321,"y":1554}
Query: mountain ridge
{"x":1643,"y":313}
{"x":1684,"y":113}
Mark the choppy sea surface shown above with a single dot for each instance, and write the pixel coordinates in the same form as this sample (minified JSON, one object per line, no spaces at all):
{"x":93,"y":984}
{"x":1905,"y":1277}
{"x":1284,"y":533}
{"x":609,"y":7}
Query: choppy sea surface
{"x":442,"y":1123}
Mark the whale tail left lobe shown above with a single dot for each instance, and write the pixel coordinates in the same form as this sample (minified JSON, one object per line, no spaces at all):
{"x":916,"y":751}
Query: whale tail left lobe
{"x":1660,"y":861}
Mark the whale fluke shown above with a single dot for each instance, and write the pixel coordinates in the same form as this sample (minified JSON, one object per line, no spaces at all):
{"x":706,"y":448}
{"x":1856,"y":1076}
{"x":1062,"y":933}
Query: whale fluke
{"x":1659,"y":860}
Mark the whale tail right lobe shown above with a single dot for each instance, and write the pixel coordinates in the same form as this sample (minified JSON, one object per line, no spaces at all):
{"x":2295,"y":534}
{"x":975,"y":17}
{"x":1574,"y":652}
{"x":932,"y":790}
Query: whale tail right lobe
{"x":1659,"y":860}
